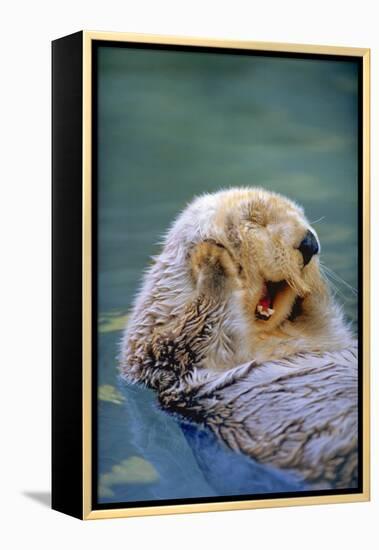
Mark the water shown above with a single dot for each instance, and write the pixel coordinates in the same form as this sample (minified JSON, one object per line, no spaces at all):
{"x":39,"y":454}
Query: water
{"x":173,"y":125}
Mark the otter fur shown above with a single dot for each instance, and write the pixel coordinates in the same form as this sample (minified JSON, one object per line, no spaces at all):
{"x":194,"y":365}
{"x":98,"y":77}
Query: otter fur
{"x":236,"y":329}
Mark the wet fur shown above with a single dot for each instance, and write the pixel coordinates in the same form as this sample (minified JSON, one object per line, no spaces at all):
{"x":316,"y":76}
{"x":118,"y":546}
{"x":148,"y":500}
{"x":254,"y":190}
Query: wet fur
{"x":222,"y":248}
{"x":194,"y":320}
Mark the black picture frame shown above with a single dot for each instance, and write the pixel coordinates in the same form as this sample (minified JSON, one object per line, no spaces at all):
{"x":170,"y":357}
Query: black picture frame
{"x":75,"y":222}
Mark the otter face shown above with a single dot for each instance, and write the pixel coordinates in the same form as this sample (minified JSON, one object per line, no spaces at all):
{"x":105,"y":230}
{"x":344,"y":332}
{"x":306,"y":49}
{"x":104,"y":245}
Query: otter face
{"x":277,"y":251}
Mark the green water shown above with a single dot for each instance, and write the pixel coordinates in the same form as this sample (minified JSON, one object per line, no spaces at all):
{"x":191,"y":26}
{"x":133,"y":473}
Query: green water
{"x":172,"y":125}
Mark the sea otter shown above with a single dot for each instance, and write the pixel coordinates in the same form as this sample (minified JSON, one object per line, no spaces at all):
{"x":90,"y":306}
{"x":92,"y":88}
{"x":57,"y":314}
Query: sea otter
{"x":239,"y":270}
{"x":238,"y":282}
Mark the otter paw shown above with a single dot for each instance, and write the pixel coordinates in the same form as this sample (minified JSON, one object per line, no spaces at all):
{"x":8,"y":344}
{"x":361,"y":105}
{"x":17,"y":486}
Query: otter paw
{"x":213,"y":269}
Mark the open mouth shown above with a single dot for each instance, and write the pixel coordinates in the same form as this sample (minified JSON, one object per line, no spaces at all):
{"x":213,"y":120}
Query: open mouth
{"x":270,"y":294}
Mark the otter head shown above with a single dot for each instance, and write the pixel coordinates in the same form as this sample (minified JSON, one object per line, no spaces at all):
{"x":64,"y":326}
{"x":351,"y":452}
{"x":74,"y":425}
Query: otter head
{"x":276,"y":250}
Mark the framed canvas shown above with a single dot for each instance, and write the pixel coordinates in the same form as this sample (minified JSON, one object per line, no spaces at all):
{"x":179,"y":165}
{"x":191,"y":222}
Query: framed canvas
{"x":210,"y":275}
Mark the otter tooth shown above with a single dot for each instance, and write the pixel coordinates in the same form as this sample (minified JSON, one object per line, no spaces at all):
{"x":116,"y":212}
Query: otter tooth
{"x":265,"y":312}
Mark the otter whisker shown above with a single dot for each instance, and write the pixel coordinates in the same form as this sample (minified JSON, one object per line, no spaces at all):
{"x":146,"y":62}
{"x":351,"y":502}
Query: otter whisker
{"x":336,"y":290}
{"x":318,"y":220}
{"x":339,"y":279}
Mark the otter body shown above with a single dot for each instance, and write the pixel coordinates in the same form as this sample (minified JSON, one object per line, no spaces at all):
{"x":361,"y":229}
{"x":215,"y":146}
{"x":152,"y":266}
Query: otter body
{"x":238,"y":282}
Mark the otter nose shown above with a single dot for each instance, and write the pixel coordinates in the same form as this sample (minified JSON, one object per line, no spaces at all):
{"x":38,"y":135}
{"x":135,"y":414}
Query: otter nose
{"x":308,"y":247}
